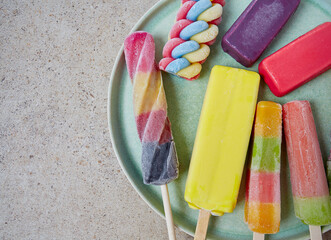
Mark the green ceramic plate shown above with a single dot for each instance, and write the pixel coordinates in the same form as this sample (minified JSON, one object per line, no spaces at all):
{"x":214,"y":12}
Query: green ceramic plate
{"x":184,"y":104}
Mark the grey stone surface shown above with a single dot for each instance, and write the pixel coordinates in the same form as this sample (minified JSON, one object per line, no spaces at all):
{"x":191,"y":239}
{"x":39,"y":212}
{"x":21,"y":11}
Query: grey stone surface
{"x":59,"y":177}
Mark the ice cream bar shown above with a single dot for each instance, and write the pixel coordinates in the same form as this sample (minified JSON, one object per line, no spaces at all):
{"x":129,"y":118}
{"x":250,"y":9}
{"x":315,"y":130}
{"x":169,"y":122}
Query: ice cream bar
{"x":298,"y":62}
{"x":309,"y":185}
{"x":222,"y":139}
{"x":262,"y":206}
{"x":257,"y":26}
{"x":159,"y":159}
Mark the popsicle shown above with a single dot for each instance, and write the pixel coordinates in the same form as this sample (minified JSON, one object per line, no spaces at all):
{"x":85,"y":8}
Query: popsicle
{"x":190,"y":37}
{"x":262,"y":206}
{"x":308,"y":179}
{"x":221,"y":143}
{"x":299,"y":61}
{"x":256,"y":27}
{"x":159,"y":159}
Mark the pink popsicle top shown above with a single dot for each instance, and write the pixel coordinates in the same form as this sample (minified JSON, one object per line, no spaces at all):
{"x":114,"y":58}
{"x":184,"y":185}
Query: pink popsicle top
{"x":308,"y":176}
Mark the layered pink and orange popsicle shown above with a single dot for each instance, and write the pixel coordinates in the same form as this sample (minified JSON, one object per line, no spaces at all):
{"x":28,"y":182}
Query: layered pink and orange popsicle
{"x":309,"y":185}
{"x":159,"y":159}
{"x":262,"y":206}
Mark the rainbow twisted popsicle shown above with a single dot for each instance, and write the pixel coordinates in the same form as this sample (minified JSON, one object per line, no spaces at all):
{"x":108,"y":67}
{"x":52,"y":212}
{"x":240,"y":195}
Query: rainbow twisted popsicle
{"x":190,"y":37}
{"x":309,"y":185}
{"x":159,"y":159}
{"x":262,"y":206}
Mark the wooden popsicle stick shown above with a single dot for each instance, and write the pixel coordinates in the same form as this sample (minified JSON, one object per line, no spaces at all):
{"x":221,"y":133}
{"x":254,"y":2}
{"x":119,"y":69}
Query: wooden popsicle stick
{"x":202,"y":225}
{"x":315,"y":232}
{"x":258,"y":236}
{"x":167,"y":212}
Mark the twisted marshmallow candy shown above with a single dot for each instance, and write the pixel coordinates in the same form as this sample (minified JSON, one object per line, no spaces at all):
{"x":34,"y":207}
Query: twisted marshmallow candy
{"x":190,"y":37}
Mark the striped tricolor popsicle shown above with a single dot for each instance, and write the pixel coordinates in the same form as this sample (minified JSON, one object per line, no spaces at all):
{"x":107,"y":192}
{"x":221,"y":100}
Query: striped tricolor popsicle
{"x":159,"y":159}
{"x":262,"y":206}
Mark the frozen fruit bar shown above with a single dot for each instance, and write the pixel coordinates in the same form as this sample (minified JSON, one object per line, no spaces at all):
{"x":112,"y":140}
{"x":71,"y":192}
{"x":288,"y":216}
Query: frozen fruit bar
{"x":308,"y":179}
{"x":222,"y":139}
{"x":262,"y":206}
{"x":298,"y":62}
{"x":257,"y":26}
{"x":159,"y":159}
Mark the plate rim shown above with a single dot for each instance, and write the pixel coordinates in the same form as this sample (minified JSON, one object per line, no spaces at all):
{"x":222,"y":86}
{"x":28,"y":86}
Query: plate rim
{"x":120,"y":54}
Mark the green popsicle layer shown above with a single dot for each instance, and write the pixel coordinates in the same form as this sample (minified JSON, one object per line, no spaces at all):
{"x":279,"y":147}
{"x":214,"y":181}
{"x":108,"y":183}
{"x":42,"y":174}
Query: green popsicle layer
{"x":266,"y":154}
{"x":313,"y":211}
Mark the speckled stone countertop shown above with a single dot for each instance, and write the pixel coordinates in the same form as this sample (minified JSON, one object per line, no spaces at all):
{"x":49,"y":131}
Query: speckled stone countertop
{"x":59,"y":176}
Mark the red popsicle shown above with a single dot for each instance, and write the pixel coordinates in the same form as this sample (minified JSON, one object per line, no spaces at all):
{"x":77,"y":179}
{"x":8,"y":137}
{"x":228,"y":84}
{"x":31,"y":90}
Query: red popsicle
{"x":299,"y":61}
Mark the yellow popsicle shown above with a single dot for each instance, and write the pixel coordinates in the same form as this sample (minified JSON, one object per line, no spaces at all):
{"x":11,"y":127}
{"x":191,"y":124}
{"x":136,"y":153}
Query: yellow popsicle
{"x":222,"y":139}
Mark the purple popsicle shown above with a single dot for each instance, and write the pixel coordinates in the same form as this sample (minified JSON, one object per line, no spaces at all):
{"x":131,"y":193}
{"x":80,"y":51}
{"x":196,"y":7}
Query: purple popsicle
{"x":256,"y":27}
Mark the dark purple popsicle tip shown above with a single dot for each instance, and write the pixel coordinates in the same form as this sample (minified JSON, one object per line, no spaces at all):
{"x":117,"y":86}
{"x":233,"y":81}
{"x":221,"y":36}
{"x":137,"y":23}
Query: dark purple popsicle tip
{"x":256,"y":27}
{"x":159,"y":162}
